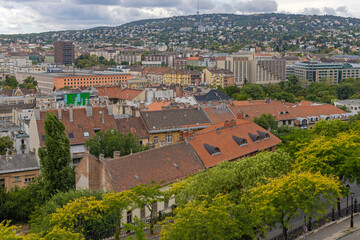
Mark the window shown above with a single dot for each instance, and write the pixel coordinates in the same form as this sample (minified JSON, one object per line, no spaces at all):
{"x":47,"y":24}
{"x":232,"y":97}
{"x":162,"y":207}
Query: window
{"x":28,"y":180}
{"x":154,"y":208}
{"x":129,"y":216}
{"x":156,"y":140}
{"x":96,"y":130}
{"x":284,"y":122}
{"x":17,"y":179}
{"x":76,"y":161}
{"x":168,"y":139}
{"x":71,"y":135}
{"x":166,"y":204}
{"x":86,"y":134}
{"x":2,"y":182}
{"x":289,"y":122}
{"x":43,"y":138}
{"x":142,"y":213}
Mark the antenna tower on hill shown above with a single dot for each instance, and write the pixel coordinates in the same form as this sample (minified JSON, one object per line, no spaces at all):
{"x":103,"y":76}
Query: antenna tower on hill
{"x":198,"y":7}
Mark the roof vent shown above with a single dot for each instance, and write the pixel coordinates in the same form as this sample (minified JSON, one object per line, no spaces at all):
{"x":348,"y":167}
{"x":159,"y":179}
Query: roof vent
{"x":255,"y":138}
{"x":240,"y":141}
{"x":137,"y":177}
{"x":212,"y":150}
{"x":175,"y":165}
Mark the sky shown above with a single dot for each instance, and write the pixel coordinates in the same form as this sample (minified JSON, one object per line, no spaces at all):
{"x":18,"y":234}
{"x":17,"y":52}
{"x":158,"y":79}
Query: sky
{"x":31,"y":16}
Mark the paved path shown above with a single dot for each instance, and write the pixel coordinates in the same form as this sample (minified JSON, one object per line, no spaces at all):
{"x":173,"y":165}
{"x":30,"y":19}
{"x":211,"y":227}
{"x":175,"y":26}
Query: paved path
{"x":335,"y":230}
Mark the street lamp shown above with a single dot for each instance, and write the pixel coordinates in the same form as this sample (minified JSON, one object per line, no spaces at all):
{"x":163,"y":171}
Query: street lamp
{"x":347,"y":201}
{"x":352,"y":211}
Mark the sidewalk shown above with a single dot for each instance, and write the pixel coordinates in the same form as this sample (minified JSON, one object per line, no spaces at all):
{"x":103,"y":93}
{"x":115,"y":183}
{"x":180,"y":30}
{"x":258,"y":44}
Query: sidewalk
{"x":334,"y":230}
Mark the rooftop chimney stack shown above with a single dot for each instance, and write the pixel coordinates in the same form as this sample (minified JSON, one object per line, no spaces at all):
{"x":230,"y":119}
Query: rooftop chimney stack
{"x":7,"y":155}
{"x":116,"y":154}
{"x":71,"y":114}
{"x":88,"y":109}
{"x":60,"y":112}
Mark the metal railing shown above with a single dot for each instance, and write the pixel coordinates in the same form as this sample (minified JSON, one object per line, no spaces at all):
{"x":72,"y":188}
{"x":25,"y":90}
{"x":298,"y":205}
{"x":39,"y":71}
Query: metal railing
{"x":315,"y":224}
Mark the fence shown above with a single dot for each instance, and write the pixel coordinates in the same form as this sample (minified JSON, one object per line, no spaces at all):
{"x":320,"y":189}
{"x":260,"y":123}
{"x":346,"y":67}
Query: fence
{"x":311,"y":225}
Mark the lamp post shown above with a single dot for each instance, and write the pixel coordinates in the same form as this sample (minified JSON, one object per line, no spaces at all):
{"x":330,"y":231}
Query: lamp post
{"x":352,"y":211}
{"x":347,"y":201}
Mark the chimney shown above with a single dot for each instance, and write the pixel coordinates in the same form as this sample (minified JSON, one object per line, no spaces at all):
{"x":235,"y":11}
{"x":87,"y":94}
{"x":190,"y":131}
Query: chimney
{"x":88,"y":109}
{"x":102,"y":117}
{"x":71,"y":114}
{"x":101,"y":157}
{"x":233,"y":123}
{"x":37,"y":113}
{"x":116,"y":154}
{"x":226,"y":124}
{"x":110,"y":109}
{"x":7,"y":155}
{"x":131,"y":151}
{"x":239,"y":115}
{"x":59,"y":112}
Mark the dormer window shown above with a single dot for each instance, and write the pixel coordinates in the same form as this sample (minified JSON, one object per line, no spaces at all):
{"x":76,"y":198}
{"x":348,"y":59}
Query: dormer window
{"x":86,"y":134}
{"x":212,"y":150}
{"x":71,"y":135}
{"x":240,"y":141}
{"x":263,"y":135}
{"x":255,"y":138}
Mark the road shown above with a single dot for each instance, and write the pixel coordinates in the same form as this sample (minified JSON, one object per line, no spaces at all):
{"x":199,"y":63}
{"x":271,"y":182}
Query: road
{"x":352,"y":236}
{"x":298,"y":221}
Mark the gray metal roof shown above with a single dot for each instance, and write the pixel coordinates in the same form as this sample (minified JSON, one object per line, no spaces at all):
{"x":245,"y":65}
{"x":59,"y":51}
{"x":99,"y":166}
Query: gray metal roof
{"x":18,"y":163}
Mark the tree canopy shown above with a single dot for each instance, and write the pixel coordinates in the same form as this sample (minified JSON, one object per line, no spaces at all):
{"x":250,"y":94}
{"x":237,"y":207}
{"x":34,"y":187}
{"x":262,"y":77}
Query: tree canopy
{"x":56,"y":172}
{"x":106,"y":142}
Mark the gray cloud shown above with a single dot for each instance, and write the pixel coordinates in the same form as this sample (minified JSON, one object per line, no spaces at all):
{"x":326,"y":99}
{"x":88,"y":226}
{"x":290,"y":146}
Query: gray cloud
{"x":339,"y":11}
{"x":97,"y":2}
{"x":150,"y":3}
{"x":257,"y":6}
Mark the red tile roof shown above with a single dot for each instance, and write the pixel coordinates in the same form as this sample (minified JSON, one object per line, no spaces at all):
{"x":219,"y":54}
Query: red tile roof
{"x":80,"y":124}
{"x":128,"y":94}
{"x":277,"y":109}
{"x":118,"y":92}
{"x":156,"y":105}
{"x":163,"y":165}
{"x":133,"y":125}
{"x":318,"y":110}
{"x":222,"y":138}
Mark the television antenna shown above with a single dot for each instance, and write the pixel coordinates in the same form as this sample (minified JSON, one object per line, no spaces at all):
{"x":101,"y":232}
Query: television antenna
{"x":198,"y":7}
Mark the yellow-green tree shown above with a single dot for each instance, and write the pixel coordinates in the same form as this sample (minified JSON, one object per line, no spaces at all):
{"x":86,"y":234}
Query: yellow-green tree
{"x":282,"y":198}
{"x":117,"y":203}
{"x":218,"y":218}
{"x":81,"y":215}
{"x":147,"y":196}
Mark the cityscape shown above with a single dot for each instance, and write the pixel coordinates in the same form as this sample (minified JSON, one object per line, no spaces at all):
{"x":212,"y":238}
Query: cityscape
{"x":202,"y":120}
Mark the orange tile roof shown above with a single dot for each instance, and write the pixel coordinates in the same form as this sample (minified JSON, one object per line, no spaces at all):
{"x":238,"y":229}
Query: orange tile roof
{"x":248,"y":102}
{"x":193,"y":58}
{"x":155,"y":71}
{"x":223,"y":139}
{"x":217,"y":115}
{"x":110,"y":92}
{"x":156,"y":106}
{"x":128,"y":94}
{"x":277,"y":109}
{"x":317,"y":110}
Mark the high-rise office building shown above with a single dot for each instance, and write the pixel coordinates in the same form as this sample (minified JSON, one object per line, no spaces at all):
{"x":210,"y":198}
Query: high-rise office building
{"x":64,"y":52}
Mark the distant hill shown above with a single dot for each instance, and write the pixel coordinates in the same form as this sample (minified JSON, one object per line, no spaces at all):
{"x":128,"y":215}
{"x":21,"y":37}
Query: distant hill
{"x":211,"y":30}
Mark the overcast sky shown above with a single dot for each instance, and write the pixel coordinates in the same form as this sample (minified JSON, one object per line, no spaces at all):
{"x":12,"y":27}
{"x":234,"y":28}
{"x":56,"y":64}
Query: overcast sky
{"x":26,"y":16}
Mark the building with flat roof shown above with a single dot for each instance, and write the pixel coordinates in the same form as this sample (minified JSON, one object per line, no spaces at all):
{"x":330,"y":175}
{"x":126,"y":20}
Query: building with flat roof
{"x":48,"y":81}
{"x":64,"y":52}
{"x":332,"y":73}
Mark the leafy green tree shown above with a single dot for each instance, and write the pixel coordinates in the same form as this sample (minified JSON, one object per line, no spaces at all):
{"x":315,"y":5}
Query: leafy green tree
{"x":11,"y":82}
{"x":148,"y":196}
{"x":283,"y":132}
{"x":345,"y":91}
{"x":40,"y":217}
{"x":267,"y":121}
{"x":216,"y":219}
{"x":239,"y":96}
{"x":29,"y":83}
{"x":254,"y":91}
{"x":233,"y":177}
{"x":283,"y":198}
{"x":81,"y":215}
{"x":5,"y":144}
{"x":288,"y":97}
{"x":293,"y":80}
{"x":330,"y":128}
{"x":56,"y":172}
{"x":106,"y":142}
